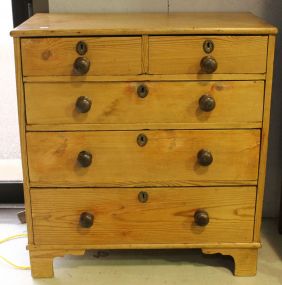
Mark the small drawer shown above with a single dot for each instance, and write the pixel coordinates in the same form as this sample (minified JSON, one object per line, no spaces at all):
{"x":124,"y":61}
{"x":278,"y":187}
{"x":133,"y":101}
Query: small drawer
{"x":207,"y":54}
{"x":213,"y":102}
{"x":143,"y":158}
{"x":113,"y":216}
{"x":81,"y":56}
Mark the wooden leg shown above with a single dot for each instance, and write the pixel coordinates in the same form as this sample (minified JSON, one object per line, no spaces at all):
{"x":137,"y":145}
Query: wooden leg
{"x":41,"y":267}
{"x":41,"y":261}
{"x":245,"y":259}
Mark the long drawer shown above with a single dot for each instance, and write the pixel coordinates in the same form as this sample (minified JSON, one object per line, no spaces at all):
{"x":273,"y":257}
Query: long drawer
{"x":184,"y":54}
{"x":61,"y":216}
{"x":222,"y":102}
{"x":64,"y":56}
{"x":140,"y":158}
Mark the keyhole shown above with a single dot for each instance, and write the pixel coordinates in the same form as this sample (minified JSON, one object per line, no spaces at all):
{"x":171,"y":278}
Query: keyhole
{"x":143,"y":197}
{"x":208,"y":46}
{"x":142,"y":140}
{"x":142,"y":91}
{"x":81,"y":48}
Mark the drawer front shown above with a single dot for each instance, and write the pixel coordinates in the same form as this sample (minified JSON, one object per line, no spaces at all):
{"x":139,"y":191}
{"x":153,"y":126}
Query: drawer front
{"x":183,"y":54}
{"x":128,"y":158}
{"x":120,"y":218}
{"x":166,"y":102}
{"x":106,"y":56}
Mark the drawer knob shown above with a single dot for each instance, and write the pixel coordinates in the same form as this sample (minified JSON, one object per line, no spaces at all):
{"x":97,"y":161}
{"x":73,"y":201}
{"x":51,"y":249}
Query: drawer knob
{"x":201,"y":218}
{"x":84,"y":158}
{"x":86,"y":220}
{"x":207,"y":103}
{"x":83,"y":104}
{"x":204,"y":157}
{"x":142,"y":91}
{"x":208,"y":64}
{"x":81,"y":65}
{"x":142,"y":140}
{"x":143,"y":197}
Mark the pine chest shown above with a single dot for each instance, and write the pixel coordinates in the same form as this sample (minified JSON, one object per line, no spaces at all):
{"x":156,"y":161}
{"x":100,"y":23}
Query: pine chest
{"x":144,"y":131}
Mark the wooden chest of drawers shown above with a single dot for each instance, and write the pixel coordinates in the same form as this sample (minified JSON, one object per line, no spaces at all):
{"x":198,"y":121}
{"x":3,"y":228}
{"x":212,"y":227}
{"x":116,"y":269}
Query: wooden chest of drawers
{"x":144,"y":131}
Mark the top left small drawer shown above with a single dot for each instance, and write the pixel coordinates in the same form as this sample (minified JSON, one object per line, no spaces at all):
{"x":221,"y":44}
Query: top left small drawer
{"x":81,"y":56}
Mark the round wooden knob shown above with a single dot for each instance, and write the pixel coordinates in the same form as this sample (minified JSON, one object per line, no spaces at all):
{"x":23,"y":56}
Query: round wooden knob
{"x":86,"y":220}
{"x":84,"y":158}
{"x":208,"y":64}
{"x":207,"y":103}
{"x":81,"y":65}
{"x":204,"y":157}
{"x":201,"y":218}
{"x":83,"y":104}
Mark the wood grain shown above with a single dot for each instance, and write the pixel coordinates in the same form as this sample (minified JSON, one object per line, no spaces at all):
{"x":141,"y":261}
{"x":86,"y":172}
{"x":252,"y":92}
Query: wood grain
{"x":216,"y":245}
{"x":146,"y":77}
{"x":168,"y":159}
{"x":41,"y":261}
{"x":21,"y":118}
{"x":237,"y":102}
{"x":56,"y":56}
{"x":142,"y":23}
{"x":245,"y":260}
{"x":264,"y":141}
{"x":121,"y":218}
{"x":147,"y":126}
{"x":183,"y":54}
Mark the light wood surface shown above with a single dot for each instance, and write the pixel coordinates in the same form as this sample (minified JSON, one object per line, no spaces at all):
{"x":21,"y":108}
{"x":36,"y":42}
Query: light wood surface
{"x":245,"y":260}
{"x":187,"y":245}
{"x":145,"y":54}
{"x":41,"y":261}
{"x":21,"y":118}
{"x":265,"y":133}
{"x":142,"y":23}
{"x":142,"y":126}
{"x":146,"y":77}
{"x":167,"y":102}
{"x":56,"y":56}
{"x":169,"y":158}
{"x":183,"y":54}
{"x":120,"y":218}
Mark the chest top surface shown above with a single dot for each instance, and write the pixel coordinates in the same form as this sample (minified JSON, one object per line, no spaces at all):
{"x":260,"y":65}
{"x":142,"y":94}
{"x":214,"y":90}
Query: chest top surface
{"x":142,"y":23}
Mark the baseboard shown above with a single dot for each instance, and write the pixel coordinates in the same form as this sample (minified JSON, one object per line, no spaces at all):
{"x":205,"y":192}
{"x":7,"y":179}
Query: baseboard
{"x":11,"y":186}
{"x":11,"y":193}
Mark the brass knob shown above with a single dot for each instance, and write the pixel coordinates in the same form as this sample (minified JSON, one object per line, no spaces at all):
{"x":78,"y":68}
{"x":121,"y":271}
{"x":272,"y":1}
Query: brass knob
{"x":142,"y":140}
{"x":84,"y":158}
{"x":81,"y":65}
{"x":83,"y":104}
{"x":201,"y":218}
{"x":86,"y":220}
{"x":142,"y":91}
{"x":207,"y":103}
{"x":204,"y":157}
{"x":208,"y":64}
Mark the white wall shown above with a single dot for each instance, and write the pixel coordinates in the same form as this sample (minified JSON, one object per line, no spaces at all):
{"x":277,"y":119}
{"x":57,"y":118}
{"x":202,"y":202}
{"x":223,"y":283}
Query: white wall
{"x":10,"y":168}
{"x":270,"y":10}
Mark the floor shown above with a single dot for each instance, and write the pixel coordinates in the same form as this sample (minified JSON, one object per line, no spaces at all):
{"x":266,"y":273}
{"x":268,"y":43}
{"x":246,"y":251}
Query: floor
{"x":140,"y":267}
